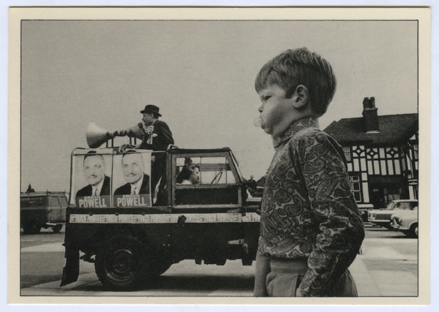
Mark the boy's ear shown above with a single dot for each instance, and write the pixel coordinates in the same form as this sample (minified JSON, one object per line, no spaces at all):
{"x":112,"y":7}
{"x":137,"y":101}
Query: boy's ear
{"x":301,"y":97}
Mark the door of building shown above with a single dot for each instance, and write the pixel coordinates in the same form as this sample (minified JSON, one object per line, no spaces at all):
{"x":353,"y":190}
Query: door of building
{"x":376,"y":195}
{"x":382,"y":190}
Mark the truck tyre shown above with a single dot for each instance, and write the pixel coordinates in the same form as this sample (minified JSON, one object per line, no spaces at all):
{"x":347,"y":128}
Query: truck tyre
{"x":31,"y":228}
{"x":119,"y":264}
{"x":247,"y":262}
{"x":57,"y":228}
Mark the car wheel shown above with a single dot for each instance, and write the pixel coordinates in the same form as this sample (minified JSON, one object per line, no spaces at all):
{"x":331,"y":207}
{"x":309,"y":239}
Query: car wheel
{"x":389,"y":227}
{"x":406,"y":233}
{"x":119,"y":264}
{"x":31,"y":228}
{"x":414,"y":230}
{"x":57,"y":228}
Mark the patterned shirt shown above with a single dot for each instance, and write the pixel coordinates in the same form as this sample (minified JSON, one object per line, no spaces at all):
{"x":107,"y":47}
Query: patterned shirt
{"x":308,"y":210}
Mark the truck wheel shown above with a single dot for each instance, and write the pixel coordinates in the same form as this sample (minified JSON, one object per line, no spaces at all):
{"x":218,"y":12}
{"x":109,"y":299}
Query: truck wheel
{"x":31,"y":228}
{"x":247,"y":262}
{"x":119,"y":264}
{"x":57,"y":228}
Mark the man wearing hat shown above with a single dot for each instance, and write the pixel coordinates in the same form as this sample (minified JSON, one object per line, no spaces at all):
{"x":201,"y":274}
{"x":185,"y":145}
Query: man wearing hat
{"x":158,"y":137}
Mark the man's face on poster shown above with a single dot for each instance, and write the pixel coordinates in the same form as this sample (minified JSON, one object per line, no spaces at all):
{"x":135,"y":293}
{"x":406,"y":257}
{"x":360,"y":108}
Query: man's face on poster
{"x":132,"y":167}
{"x":94,"y":169}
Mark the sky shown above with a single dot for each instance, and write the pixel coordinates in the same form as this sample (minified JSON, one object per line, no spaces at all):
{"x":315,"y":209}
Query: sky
{"x":200,"y":73}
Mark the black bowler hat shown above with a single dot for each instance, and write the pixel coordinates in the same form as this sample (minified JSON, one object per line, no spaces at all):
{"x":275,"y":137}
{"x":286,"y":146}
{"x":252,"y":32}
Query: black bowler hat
{"x":151,"y":109}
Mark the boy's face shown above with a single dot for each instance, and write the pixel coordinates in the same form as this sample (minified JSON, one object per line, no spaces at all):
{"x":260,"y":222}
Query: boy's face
{"x":276,"y":111}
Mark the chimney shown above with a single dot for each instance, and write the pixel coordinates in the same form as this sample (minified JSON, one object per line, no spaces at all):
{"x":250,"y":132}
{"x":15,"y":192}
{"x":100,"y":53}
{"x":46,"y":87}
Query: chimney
{"x":370,"y":116}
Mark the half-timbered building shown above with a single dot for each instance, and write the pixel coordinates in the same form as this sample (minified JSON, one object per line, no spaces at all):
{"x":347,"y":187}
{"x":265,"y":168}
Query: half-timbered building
{"x":381,"y":153}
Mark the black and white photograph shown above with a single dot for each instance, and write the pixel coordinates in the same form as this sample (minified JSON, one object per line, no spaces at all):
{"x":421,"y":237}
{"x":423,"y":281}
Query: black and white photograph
{"x":219,"y":155}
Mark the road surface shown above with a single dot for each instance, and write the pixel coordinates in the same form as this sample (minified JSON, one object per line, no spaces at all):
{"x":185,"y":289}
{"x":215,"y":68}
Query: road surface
{"x":387,"y":267}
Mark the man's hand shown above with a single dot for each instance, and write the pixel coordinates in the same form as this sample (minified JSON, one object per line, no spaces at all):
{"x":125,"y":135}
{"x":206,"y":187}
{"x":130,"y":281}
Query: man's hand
{"x":142,"y":132}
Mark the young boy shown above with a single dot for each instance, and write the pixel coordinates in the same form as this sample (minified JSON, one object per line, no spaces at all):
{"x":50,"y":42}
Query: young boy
{"x":311,"y":228}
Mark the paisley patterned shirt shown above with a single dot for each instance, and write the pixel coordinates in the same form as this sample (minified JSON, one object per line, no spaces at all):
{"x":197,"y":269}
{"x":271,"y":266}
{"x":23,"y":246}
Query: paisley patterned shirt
{"x":308,"y":210}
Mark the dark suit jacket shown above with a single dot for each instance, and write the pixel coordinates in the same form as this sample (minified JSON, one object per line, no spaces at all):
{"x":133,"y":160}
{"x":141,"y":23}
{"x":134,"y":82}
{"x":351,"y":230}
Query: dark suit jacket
{"x":87,"y":190}
{"x":163,"y":138}
{"x":126,"y":188}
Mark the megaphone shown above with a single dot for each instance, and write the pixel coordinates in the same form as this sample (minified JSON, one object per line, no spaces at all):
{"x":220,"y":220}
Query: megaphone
{"x":96,"y":136}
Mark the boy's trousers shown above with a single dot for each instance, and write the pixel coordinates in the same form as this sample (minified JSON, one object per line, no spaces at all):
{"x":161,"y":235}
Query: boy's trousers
{"x":281,"y":278}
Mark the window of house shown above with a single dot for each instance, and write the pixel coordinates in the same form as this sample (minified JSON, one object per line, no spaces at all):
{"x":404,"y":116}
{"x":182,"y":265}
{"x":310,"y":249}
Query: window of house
{"x":347,"y":153}
{"x":415,"y":151}
{"x":355,"y":187}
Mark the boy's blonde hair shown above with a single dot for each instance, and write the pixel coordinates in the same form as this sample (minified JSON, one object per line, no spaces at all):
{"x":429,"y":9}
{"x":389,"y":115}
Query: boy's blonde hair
{"x":300,"y":66}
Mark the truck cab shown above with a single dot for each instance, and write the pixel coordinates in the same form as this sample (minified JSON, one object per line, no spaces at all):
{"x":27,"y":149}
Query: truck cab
{"x":133,"y":238}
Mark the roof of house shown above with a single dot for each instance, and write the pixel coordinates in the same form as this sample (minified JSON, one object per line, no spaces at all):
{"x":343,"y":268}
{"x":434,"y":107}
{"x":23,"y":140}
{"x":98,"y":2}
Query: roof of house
{"x":393,"y":129}
{"x":261,"y":181}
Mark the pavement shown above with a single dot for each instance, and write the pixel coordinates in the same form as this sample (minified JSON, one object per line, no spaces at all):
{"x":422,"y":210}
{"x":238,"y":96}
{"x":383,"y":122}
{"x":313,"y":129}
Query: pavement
{"x":380,"y":280}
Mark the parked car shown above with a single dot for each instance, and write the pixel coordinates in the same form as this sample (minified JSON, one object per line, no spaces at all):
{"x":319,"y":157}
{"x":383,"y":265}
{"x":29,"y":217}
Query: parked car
{"x":42,"y":209}
{"x":382,"y":217}
{"x":364,"y":210}
{"x":406,"y":222}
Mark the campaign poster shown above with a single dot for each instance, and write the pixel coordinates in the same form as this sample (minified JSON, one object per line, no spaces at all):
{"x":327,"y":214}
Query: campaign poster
{"x":91,"y":178}
{"x":132,"y":179}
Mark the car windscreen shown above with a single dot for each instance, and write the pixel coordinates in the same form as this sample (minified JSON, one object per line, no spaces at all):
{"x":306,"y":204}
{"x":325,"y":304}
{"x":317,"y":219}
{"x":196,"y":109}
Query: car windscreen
{"x":390,"y":206}
{"x":63,"y":201}
{"x":404,"y":206}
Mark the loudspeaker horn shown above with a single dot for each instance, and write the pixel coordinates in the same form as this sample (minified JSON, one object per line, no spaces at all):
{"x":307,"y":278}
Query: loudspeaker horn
{"x":96,"y":136}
